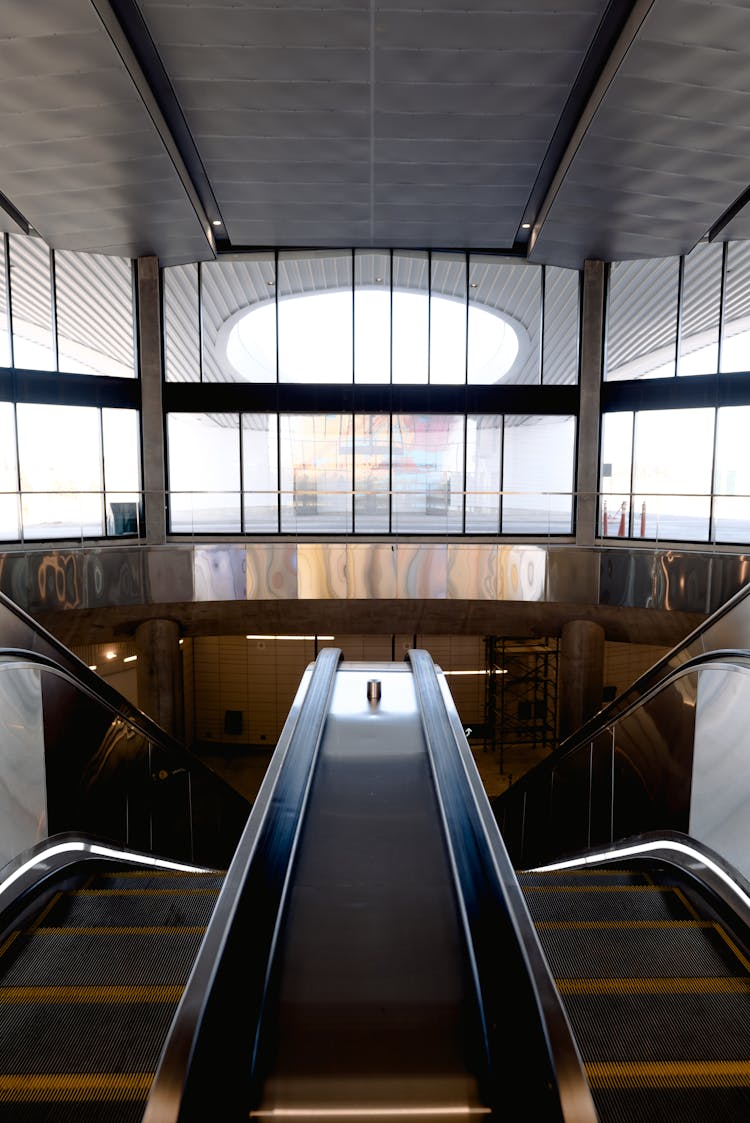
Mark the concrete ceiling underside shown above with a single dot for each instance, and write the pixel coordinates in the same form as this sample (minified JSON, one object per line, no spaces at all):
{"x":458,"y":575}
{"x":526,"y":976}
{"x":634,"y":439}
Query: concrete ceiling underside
{"x":556,"y":129}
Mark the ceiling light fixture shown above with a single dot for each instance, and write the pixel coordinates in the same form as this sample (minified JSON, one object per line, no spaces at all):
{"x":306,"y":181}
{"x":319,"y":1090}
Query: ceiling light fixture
{"x":526,"y":226}
{"x":92,"y":666}
{"x":216,"y":222}
{"x":130,"y":659}
{"x":291,"y":637}
{"x":110,"y":654}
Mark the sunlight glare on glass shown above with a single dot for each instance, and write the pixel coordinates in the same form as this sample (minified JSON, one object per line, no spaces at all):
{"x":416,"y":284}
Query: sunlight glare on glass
{"x":317,"y":338}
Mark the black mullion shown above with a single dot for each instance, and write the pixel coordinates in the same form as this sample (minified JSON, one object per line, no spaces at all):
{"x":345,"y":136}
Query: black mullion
{"x":353,"y":415}
{"x":18,"y":467}
{"x":104,"y":475}
{"x":722,"y":303}
{"x":53,"y":308}
{"x":390,"y":318}
{"x":390,"y":468}
{"x":502,"y":475}
{"x":200,"y":322}
{"x":632,"y":471}
{"x":680,"y":297}
{"x":242,"y":476}
{"x":278,"y":403}
{"x":542,"y":319}
{"x":278,"y":472}
{"x":466,"y":382}
{"x":463,"y":512}
{"x":711,"y":529}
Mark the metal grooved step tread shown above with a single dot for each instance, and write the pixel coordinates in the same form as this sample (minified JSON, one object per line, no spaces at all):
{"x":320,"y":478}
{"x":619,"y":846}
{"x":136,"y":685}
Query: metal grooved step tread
{"x":88,"y":991}
{"x":658,"y":997}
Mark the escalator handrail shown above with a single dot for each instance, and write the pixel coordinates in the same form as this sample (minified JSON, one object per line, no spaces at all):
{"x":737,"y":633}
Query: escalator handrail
{"x":482,"y":868}
{"x":278,"y":811}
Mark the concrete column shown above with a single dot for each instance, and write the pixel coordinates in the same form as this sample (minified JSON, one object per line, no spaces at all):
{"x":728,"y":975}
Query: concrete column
{"x":580,"y":674}
{"x":159,"y":666}
{"x":592,"y":355}
{"x":152,"y":425}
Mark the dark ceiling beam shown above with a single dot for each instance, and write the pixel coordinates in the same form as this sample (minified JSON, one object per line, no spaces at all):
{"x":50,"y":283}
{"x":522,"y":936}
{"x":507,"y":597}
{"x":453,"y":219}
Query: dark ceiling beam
{"x":123,"y":22}
{"x":23,"y":224}
{"x":617,"y":31}
{"x":729,"y":214}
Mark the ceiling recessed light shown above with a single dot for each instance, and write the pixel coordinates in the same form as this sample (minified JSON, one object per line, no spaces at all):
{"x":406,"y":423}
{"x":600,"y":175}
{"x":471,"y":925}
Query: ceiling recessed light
{"x":110,"y":654}
{"x":526,"y":226}
{"x":270,"y":282}
{"x":130,"y":659}
{"x":92,"y":666}
{"x":216,"y":222}
{"x":474,"y":284}
{"x":378,"y":280}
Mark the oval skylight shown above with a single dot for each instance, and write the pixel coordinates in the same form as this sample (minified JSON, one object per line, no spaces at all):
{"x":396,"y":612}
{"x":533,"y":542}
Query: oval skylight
{"x":316,"y":339}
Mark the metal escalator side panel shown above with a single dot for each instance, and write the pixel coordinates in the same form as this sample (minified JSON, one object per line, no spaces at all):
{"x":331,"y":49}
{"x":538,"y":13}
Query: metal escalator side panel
{"x":214,"y":1032}
{"x":526,"y":1025}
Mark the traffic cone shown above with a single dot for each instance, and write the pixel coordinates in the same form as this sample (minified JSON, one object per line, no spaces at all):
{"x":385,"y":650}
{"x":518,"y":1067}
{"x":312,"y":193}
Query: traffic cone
{"x":643,"y":519}
{"x":621,"y":528}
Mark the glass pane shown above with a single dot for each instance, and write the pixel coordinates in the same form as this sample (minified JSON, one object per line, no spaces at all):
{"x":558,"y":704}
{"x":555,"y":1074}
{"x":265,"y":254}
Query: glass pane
{"x":31,"y":303}
{"x":94,"y":314}
{"x":735,"y":352}
{"x":122,"y":470}
{"x":614,"y":479}
{"x":538,"y":464}
{"x":4,"y":329}
{"x":428,"y":473}
{"x":238,"y":308}
{"x":372,"y":317}
{"x":672,"y":473}
{"x":372,"y":434}
{"x":411,"y":317}
{"x":9,"y":524}
{"x":448,"y":310}
{"x":561,"y":326}
{"x":203,"y":454}
{"x":642,"y":319}
{"x":511,"y":293}
{"x":484,"y":446}
{"x":260,"y":468}
{"x":316,"y":472}
{"x":181,"y":324}
{"x":316,"y":335}
{"x":732,"y":476}
{"x":60,"y":456}
{"x":701,"y":300}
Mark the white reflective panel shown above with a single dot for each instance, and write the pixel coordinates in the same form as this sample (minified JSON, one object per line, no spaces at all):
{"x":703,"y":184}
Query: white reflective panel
{"x":9,"y":511}
{"x":316,"y":472}
{"x":260,"y":471}
{"x":203,"y":451}
{"x":4,"y":328}
{"x":484,"y":444}
{"x":372,"y":318}
{"x":538,"y":465}
{"x":701,"y":301}
{"x":672,"y":458}
{"x":642,"y":319}
{"x":732,"y":476}
{"x":428,"y":473}
{"x":617,"y":452}
{"x":31,"y":303}
{"x":411,"y":318}
{"x":60,"y":456}
{"x":181,"y":319}
{"x":94,"y":314}
{"x":23,"y":795}
{"x":309,"y":337}
{"x":735,"y":343}
{"x":448,"y":312}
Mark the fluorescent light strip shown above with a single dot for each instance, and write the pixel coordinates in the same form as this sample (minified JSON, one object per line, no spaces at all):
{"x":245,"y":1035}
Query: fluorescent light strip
{"x":100,"y":851}
{"x":500,"y":671}
{"x":366,"y":1112}
{"x":130,"y":659}
{"x":291,"y":637}
{"x":647,"y":848}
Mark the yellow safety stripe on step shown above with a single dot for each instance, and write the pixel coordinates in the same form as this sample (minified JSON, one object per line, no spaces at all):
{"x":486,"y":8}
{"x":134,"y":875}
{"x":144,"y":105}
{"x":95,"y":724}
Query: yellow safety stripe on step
{"x":701,"y":985}
{"x":681,"y":896}
{"x":76,"y":994}
{"x":64,"y":1086}
{"x":161,"y":873}
{"x":554,"y":924}
{"x":142,"y":930}
{"x":731,"y":944}
{"x":599,"y":889}
{"x":669,"y":1074}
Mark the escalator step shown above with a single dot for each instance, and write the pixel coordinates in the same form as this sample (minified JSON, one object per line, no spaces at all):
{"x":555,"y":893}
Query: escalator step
{"x":70,"y":958}
{"x":156,"y":879}
{"x":661,"y":949}
{"x":673,"y":1105}
{"x":94,"y":908}
{"x":610,"y":902}
{"x":577,"y":878}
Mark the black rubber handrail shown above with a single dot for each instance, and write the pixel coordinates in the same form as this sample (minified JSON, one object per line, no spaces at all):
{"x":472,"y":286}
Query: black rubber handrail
{"x":526,"y":1027}
{"x":217,"y":1023}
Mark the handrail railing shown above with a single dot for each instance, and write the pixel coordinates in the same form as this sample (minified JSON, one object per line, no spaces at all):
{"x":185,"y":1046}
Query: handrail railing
{"x":217,"y":1023}
{"x":526,"y":1028}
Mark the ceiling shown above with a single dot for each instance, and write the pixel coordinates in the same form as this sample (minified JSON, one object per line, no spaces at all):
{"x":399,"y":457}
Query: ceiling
{"x":612,"y":130}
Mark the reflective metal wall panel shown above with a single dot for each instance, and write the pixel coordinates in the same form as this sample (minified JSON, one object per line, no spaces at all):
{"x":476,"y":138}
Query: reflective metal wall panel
{"x":625,"y":578}
{"x":321,"y":572}
{"x":521,"y":573}
{"x":169,"y":574}
{"x":220,"y":573}
{"x":56,"y":580}
{"x":113,"y":577}
{"x":23,"y":798}
{"x":720,"y":797}
{"x":371,"y":572}
{"x":14,"y":577}
{"x":472,"y":572}
{"x":730,"y":630}
{"x":272,"y":572}
{"x":572,"y":576}
{"x":681,"y":582}
{"x":422,"y":571}
{"x":729,"y":572}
